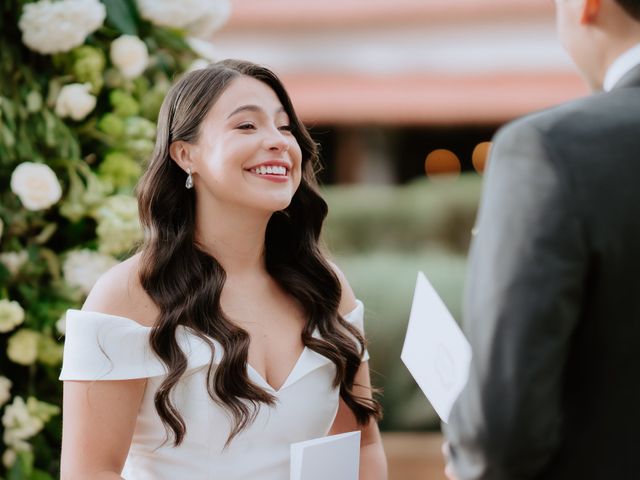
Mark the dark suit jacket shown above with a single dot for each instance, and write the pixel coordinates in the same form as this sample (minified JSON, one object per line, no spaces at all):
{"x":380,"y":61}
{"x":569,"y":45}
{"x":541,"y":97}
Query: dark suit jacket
{"x":552,"y":307}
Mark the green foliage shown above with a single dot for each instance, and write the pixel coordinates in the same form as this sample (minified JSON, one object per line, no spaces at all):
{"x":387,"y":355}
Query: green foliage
{"x":57,"y":227}
{"x":423,"y":213}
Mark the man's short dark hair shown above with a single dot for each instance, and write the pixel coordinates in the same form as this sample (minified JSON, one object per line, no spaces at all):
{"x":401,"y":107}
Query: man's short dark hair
{"x":632,"y":7}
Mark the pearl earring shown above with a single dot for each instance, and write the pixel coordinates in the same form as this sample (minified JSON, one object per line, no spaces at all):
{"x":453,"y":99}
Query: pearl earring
{"x":189,"y":182}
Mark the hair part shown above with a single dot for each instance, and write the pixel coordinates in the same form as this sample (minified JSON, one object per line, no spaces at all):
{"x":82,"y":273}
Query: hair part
{"x":185,"y":282}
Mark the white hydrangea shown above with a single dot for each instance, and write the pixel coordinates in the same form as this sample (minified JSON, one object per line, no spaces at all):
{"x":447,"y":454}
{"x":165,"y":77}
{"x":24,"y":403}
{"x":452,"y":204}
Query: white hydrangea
{"x":22,"y":347}
{"x":5,"y":390}
{"x":118,"y":225}
{"x":130,"y":55}
{"x":9,"y":457}
{"x":36,"y":185}
{"x":82,"y":268}
{"x":11,"y":315}
{"x":14,"y":260}
{"x":19,"y":425}
{"x":53,"y":27}
{"x":198,"y":17}
{"x":75,"y":100}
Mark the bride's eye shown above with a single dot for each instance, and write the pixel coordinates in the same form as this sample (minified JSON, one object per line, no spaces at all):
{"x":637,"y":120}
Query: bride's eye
{"x":246,"y":126}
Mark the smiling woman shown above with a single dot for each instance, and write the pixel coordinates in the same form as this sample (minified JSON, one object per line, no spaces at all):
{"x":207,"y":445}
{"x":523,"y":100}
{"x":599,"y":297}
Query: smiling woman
{"x":229,"y":335}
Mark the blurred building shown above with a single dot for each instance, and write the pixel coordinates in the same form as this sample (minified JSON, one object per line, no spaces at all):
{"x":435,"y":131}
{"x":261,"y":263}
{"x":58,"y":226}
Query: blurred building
{"x":383,"y":84}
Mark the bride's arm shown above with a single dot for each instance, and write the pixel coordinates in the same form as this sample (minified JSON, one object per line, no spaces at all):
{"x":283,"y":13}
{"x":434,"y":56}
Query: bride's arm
{"x":373,"y":462}
{"x":97,"y":427}
{"x":99,"y":417}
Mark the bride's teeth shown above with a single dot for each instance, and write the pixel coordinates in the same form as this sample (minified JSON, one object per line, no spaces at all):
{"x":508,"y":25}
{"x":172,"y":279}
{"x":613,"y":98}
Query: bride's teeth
{"x":270,"y":170}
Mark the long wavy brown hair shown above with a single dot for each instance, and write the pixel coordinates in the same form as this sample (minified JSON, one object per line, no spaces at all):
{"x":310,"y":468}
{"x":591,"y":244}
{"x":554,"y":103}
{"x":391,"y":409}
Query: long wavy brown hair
{"x":185,"y":282}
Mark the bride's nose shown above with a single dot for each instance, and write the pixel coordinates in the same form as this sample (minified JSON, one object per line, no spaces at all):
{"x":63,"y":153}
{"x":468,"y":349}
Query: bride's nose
{"x":276,"y":141}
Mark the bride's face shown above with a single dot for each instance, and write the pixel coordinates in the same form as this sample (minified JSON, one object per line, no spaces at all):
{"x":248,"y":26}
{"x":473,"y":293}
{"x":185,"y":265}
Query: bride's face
{"x":246,"y":154}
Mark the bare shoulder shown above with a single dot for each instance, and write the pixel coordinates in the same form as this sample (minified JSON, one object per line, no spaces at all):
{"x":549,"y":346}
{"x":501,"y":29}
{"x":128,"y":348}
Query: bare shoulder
{"x":348,"y":299}
{"x":119,"y":292}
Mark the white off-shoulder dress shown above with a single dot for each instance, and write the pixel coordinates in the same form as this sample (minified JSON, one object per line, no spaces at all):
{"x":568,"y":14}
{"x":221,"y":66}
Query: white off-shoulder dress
{"x":99,"y":346}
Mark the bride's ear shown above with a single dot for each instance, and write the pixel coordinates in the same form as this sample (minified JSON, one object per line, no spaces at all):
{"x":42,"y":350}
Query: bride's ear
{"x":590,"y":11}
{"x":180,"y":152}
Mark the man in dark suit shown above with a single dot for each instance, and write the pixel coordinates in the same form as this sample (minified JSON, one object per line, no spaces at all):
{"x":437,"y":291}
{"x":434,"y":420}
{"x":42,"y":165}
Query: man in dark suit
{"x":553,"y":295}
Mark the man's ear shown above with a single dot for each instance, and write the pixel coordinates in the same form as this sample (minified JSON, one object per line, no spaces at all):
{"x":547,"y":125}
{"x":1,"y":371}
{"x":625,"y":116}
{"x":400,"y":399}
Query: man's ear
{"x":181,"y":154}
{"x":590,"y":11}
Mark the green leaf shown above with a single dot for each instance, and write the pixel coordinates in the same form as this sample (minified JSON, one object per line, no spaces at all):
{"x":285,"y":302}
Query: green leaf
{"x":122,"y":15}
{"x":40,"y":475}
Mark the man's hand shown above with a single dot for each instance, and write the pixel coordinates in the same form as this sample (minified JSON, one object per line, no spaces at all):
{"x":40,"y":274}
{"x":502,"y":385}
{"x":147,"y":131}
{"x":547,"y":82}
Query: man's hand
{"x":448,"y":469}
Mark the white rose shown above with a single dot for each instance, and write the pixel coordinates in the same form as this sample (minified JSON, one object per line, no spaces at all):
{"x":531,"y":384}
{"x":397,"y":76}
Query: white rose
{"x":14,"y":261}
{"x":216,"y":15}
{"x":22,"y":347}
{"x":82,"y":268}
{"x":11,"y":315}
{"x":9,"y":457}
{"x":5,"y":390}
{"x":53,"y":27}
{"x":169,"y":13}
{"x":130,"y":55}
{"x":75,"y":101}
{"x":36,"y":185}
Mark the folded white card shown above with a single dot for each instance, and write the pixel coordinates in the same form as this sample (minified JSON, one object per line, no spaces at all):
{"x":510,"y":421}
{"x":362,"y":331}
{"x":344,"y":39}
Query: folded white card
{"x":435,"y":350}
{"x":336,"y":457}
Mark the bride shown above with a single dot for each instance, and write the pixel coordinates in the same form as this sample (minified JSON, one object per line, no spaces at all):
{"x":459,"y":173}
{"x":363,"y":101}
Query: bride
{"x":229,"y":335}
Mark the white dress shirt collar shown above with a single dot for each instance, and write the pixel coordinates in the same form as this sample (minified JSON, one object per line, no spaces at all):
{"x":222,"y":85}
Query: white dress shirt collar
{"x":621,"y":66}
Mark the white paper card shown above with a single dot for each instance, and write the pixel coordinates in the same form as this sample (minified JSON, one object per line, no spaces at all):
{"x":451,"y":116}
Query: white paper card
{"x":435,"y":350}
{"x":336,"y":457}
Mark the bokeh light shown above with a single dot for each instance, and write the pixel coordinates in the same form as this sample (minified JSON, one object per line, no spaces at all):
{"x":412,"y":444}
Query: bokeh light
{"x":442,"y":163}
{"x":480,"y":156}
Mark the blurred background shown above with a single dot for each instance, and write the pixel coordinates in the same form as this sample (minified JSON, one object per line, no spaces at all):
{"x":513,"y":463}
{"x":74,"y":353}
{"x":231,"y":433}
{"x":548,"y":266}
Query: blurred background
{"x":403,"y":97}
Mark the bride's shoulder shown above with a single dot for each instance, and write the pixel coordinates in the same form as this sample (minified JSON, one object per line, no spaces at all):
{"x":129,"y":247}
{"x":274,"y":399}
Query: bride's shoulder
{"x":119,"y":292}
{"x":348,"y":298}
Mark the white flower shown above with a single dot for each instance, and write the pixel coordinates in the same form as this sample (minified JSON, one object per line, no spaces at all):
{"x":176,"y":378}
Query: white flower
{"x":14,"y":260}
{"x":36,"y":185}
{"x":61,"y":324}
{"x":169,"y":13}
{"x":118,"y":225}
{"x":198,"y":17}
{"x":217,"y":14}
{"x":53,"y":27}
{"x":19,"y":424}
{"x":11,"y":315}
{"x":130,"y":55}
{"x":75,"y":101}
{"x":22,"y":347}
{"x":82,"y":268}
{"x":5,"y":390}
{"x":9,"y":457}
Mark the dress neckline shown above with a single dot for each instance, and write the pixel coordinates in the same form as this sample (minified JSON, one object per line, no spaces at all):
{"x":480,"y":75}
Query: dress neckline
{"x":305,"y":361}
